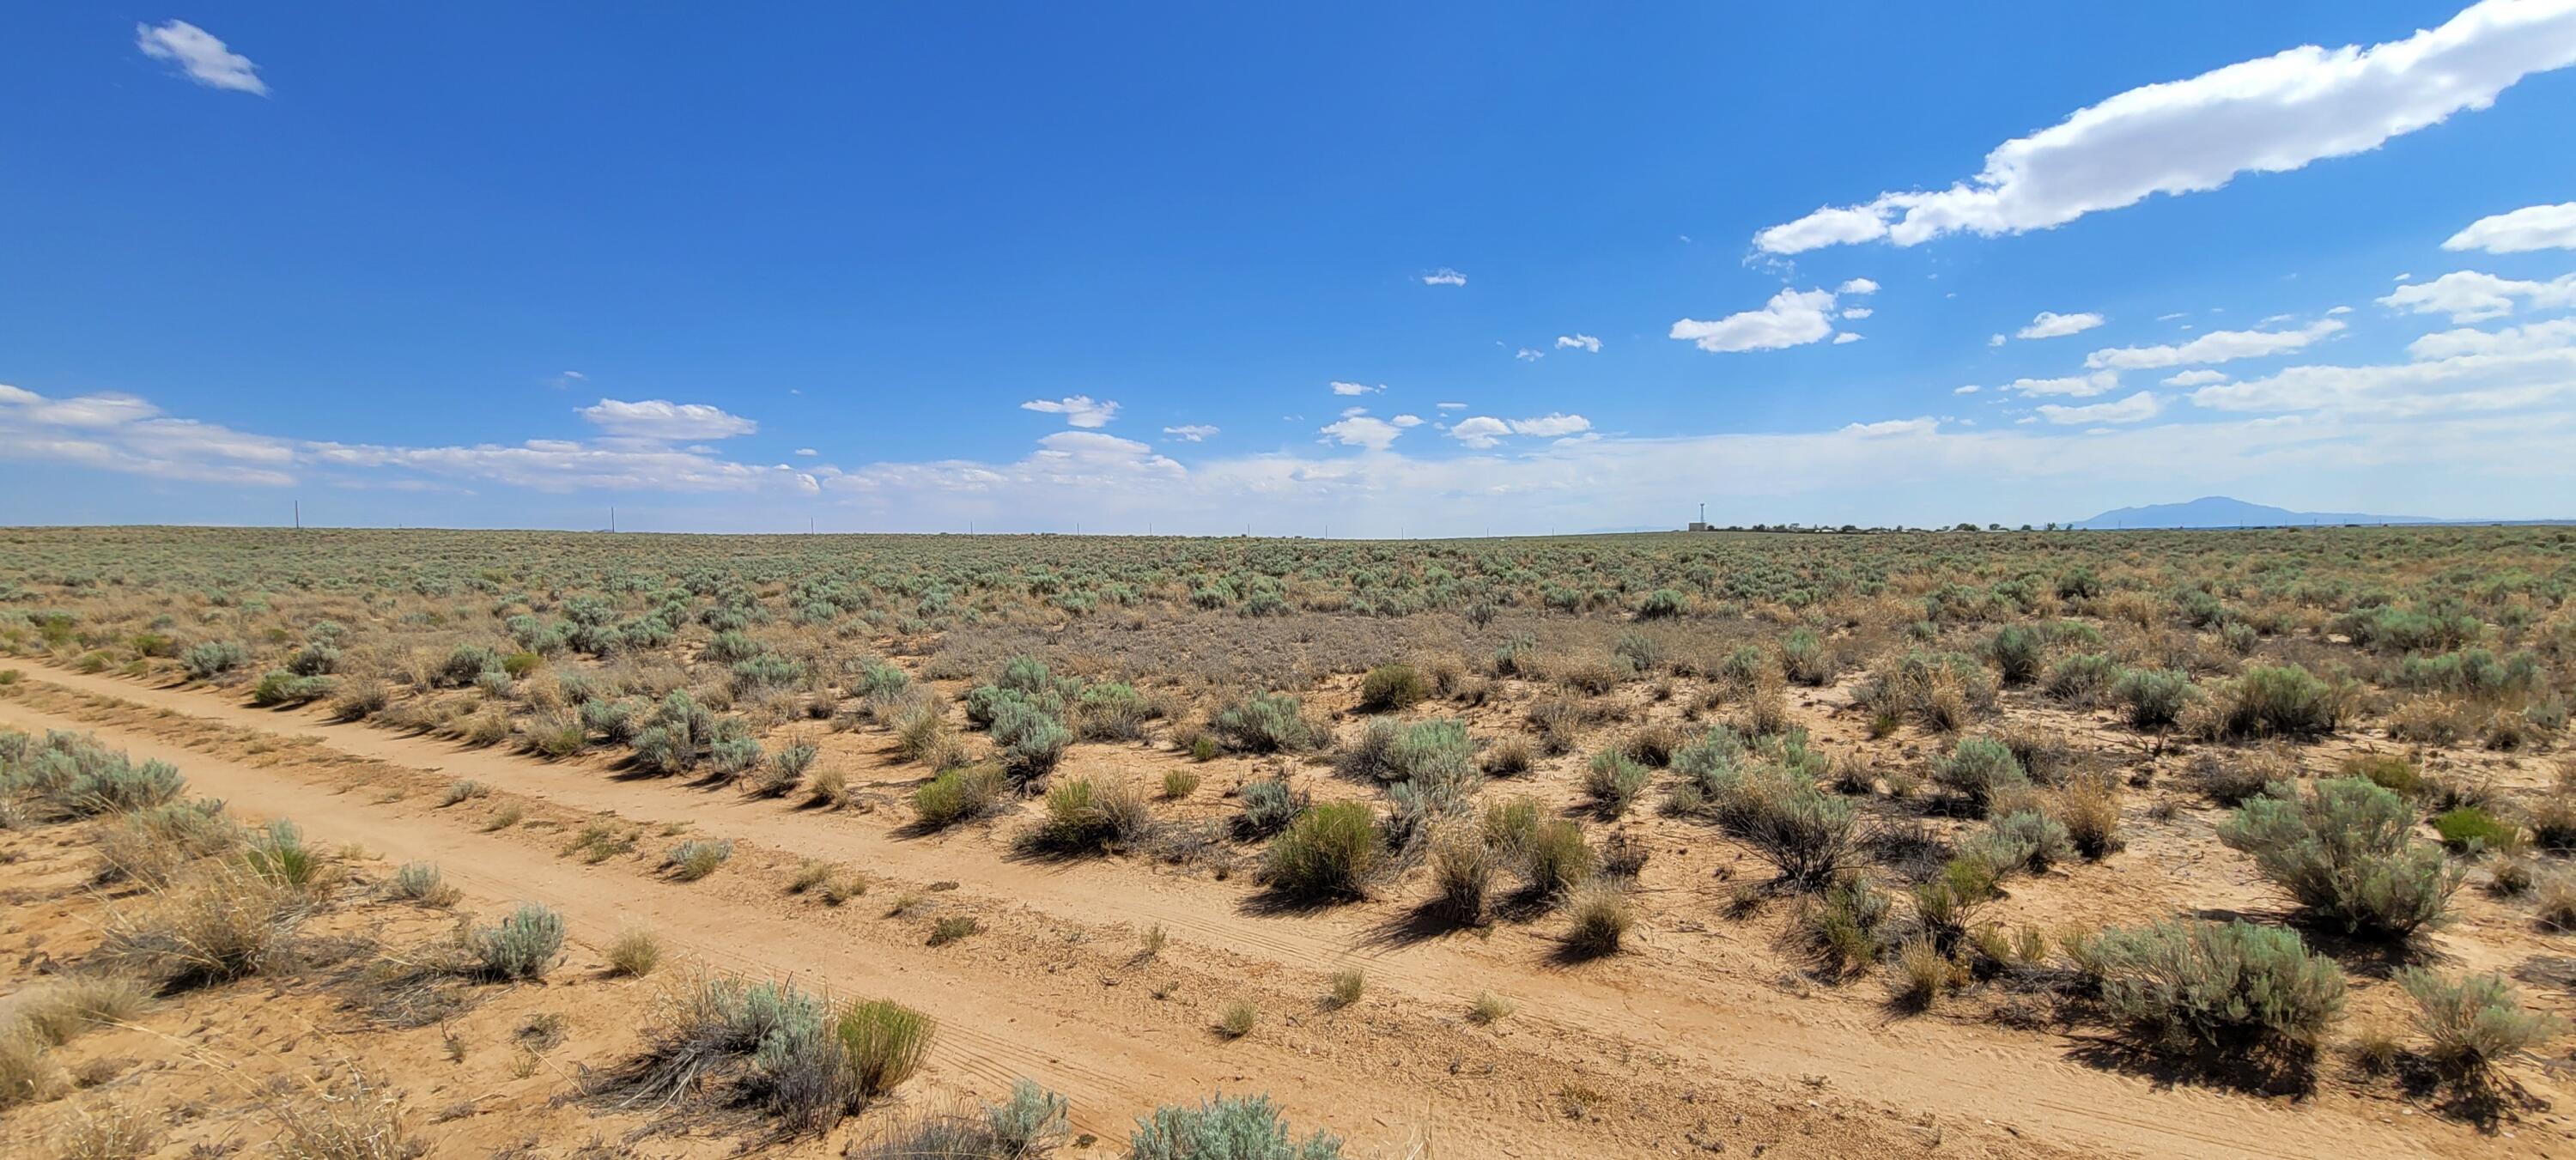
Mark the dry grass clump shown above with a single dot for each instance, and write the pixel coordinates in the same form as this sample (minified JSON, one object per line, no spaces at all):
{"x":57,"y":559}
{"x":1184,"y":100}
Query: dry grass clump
{"x":358,"y":1118}
{"x":1329,"y":851}
{"x":1490,"y":1008}
{"x":223,"y":922}
{"x":1238,"y":1018}
{"x":2473,"y":1021}
{"x":1347,"y":987}
{"x":1601,"y":915}
{"x":108,"y":1130}
{"x":1462,"y":871}
{"x":635,"y":953}
{"x":830,"y":881}
{"x":769,"y":1047}
{"x":958,"y":795}
{"x":1944,"y":692}
{"x":2088,"y":806}
{"x":422,"y":882}
{"x":1029,"y":1125}
{"x":697,"y":858}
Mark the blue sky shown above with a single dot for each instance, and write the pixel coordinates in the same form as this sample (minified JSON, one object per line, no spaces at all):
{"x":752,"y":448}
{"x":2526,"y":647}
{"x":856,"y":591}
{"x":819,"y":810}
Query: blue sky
{"x":1571,"y":267}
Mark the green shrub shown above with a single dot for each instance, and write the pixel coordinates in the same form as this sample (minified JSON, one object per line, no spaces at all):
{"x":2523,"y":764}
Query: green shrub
{"x":278,"y":687}
{"x":1269,"y":805}
{"x":2388,"y":771}
{"x":1111,"y":711}
{"x":957,"y":795}
{"x":523,"y":946}
{"x":1329,"y":851}
{"x":886,"y":1041}
{"x":2473,"y":1021}
{"x":1978,"y":770}
{"x":2152,"y":698}
{"x":2025,"y":841}
{"x":1265,"y":723}
{"x":2083,"y":679}
{"x":209,"y":659}
{"x":2212,"y":985}
{"x":1663,"y":604}
{"x":1613,"y":781}
{"x":2345,"y":850}
{"x":1389,"y":750}
{"x":2017,"y":650}
{"x":2276,"y":701}
{"x":2470,"y":829}
{"x":1388,"y":688}
{"x":695,"y":859}
{"x":1805,"y":660}
{"x":1806,"y":834}
{"x":1225,"y":1128}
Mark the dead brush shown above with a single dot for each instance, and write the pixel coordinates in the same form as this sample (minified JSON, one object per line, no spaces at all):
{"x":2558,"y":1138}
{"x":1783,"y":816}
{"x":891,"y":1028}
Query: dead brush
{"x":223,"y":922}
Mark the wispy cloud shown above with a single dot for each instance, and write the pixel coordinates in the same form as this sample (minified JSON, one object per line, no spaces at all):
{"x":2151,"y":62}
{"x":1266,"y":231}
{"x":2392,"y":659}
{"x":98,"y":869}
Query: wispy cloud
{"x":1078,"y":410}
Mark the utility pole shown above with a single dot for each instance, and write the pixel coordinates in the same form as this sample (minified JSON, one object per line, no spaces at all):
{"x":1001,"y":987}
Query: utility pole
{"x":612,"y":519}
{"x":299,"y":515}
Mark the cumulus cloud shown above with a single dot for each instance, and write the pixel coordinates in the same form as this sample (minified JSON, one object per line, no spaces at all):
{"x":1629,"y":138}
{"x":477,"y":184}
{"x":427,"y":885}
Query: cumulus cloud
{"x":662,"y":420}
{"x":1190,"y":432}
{"x":2137,"y":408}
{"x":1406,"y":420}
{"x":201,"y":55}
{"x":1357,"y":388}
{"x":1791,"y":318}
{"x":2533,"y":227}
{"x":2195,"y":378}
{"x":2469,"y":296}
{"x":2213,"y":347}
{"x":1845,"y":337}
{"x":1856,"y":313}
{"x":2051,"y":324}
{"x":1858,"y":286}
{"x":1483,"y":431}
{"x":1444,"y":276}
{"x":1970,"y":389}
{"x":1480,"y":431}
{"x":1078,"y":410}
{"x":1361,"y":430}
{"x":1583,"y":342}
{"x":2269,"y":115}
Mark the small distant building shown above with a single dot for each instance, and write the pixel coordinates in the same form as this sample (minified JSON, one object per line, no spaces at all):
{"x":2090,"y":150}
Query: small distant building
{"x":1701,"y":526}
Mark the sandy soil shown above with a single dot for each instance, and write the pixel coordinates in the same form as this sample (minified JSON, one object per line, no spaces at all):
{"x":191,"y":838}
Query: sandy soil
{"x":1697,"y":1041}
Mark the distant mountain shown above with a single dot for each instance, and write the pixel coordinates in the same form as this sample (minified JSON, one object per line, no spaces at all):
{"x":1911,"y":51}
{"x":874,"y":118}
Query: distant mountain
{"x":2218,"y":511}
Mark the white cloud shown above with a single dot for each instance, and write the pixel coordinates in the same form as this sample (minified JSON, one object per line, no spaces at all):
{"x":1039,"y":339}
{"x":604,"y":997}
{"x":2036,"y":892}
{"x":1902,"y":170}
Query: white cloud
{"x":807,"y":452}
{"x":1484,"y":431}
{"x":2137,"y":408}
{"x":1406,"y":420}
{"x":2078,"y":386}
{"x":1583,"y":341}
{"x":1078,"y":410}
{"x":2337,"y":311}
{"x":1191,"y":432}
{"x":1552,"y":423}
{"x":199,"y":54}
{"x":1362,"y":431}
{"x":2213,"y":347}
{"x":1857,"y":286}
{"x":2469,"y":296}
{"x":2510,"y":340}
{"x":126,"y":434}
{"x":1444,"y":276}
{"x":1845,"y":337}
{"x":1881,"y":430}
{"x":2195,"y":378}
{"x":1995,"y":340}
{"x":1791,"y":318}
{"x":1970,"y":389}
{"x":661,"y":420}
{"x":1856,"y":313}
{"x":2533,"y":227}
{"x":1480,"y":432}
{"x":1451,"y":406}
{"x":2268,"y":115}
{"x":2051,"y":324}
{"x":1357,"y":388}
{"x":2462,"y":384}
{"x":1529,"y":354}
